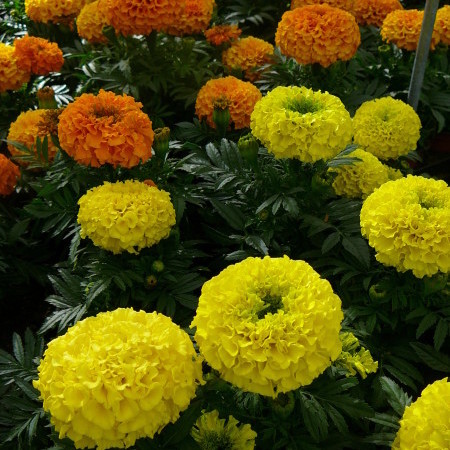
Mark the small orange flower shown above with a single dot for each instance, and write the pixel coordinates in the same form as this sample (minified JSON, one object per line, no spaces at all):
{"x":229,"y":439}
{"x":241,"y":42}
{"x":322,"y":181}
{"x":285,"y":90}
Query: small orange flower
{"x":221,"y":34}
{"x":11,"y":75}
{"x":346,"y":5}
{"x":106,"y":129}
{"x":443,"y":24}
{"x":9,"y":173}
{"x":194,"y":18}
{"x":241,"y":95}
{"x":373,"y":12}
{"x":53,"y":10}
{"x":90,"y":23}
{"x":318,"y":34}
{"x":247,"y":54}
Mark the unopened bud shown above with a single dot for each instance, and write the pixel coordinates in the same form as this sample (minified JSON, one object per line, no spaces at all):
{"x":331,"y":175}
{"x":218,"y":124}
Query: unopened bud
{"x":221,"y":114}
{"x":161,"y":141}
{"x":158,"y":266}
{"x":46,"y":98}
{"x":283,"y":404}
{"x":248,"y":146}
{"x":151,"y":281}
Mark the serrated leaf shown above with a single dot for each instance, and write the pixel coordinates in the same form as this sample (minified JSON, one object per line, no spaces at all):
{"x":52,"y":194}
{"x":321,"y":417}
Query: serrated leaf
{"x":395,"y":395}
{"x":315,"y":418}
{"x":431,"y":357}
{"x":358,"y":248}
{"x":257,"y":243}
{"x":331,"y":241}
{"x":18,"y":349}
{"x":427,"y":322}
{"x":338,"y":419}
{"x":232,"y":214}
{"x":440,"y":334}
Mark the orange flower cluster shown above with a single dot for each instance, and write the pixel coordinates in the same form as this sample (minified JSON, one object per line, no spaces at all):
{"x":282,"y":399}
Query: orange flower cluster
{"x":106,"y":129}
{"x":241,"y":95}
{"x":247,"y":54}
{"x":9,"y":173}
{"x":90,"y":23}
{"x":37,"y":55}
{"x":11,"y":75}
{"x":318,"y":34}
{"x":346,"y":5}
{"x":373,"y":12}
{"x":53,"y":10}
{"x":443,"y":24}
{"x":194,"y":18}
{"x":222,"y":34}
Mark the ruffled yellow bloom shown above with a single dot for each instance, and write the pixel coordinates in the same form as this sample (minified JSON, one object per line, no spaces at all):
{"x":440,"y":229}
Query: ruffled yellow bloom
{"x":211,"y":433}
{"x":221,"y":34}
{"x":125,"y":216}
{"x":386,"y":127}
{"x":11,"y":75}
{"x":9,"y":174}
{"x":407,"y":221}
{"x":90,"y":23}
{"x":373,"y":12}
{"x":268,"y":325}
{"x":194,"y":18}
{"x":53,"y":10}
{"x":117,"y":377}
{"x":425,"y":423}
{"x":297,"y":122}
{"x":443,"y":24}
{"x":346,"y":5}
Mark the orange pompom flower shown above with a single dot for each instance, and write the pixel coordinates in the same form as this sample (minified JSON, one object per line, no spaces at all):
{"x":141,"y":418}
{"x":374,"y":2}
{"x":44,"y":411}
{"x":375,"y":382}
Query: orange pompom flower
{"x":53,"y":10}
{"x":373,"y":12}
{"x":90,"y":23}
{"x":443,"y":24}
{"x":9,"y":173}
{"x":247,"y":54}
{"x":221,"y":34}
{"x":241,"y":96}
{"x":11,"y":75}
{"x":318,"y":34}
{"x":194,"y":18}
{"x":106,"y":129}
{"x":346,"y":5}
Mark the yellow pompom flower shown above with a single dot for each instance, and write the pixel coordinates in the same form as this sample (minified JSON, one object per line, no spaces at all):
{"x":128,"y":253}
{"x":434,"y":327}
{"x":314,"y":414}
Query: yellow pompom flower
{"x":90,"y":23}
{"x":117,"y":377}
{"x":373,"y":12}
{"x":212,"y":433}
{"x":246,"y":54}
{"x":407,"y":222}
{"x":268,"y":325}
{"x":297,"y":122}
{"x":53,"y":10}
{"x":386,"y":127}
{"x":12,"y":77}
{"x":221,"y":34}
{"x":346,"y":5}
{"x":9,"y":174}
{"x":125,"y":216}
{"x":425,"y":423}
{"x":443,"y":24}
{"x":194,"y":18}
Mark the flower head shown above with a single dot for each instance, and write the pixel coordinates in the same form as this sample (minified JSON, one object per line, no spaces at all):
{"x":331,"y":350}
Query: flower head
{"x":11,"y":75}
{"x":297,"y":122}
{"x":443,"y":24}
{"x":9,"y":174}
{"x":117,"y":377}
{"x":106,"y":129}
{"x":53,"y":10}
{"x":90,"y":23}
{"x":386,"y":127}
{"x":194,"y":18}
{"x":407,"y":222}
{"x":318,"y":34}
{"x":221,"y":34}
{"x":373,"y":12}
{"x":346,"y":5}
{"x":268,"y":325}
{"x":241,"y":96}
{"x":125,"y":216}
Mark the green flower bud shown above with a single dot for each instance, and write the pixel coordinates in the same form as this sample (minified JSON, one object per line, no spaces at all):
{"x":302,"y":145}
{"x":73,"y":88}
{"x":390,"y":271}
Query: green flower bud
{"x":221,"y":114}
{"x":158,"y":266}
{"x":248,"y":146}
{"x":46,"y":98}
{"x":151,"y":281}
{"x":283,"y":404}
{"x":376,"y":293}
{"x":161,"y":141}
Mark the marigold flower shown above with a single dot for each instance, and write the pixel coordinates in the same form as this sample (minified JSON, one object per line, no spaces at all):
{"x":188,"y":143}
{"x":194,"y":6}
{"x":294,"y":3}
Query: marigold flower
{"x":212,"y":433}
{"x":90,"y":23}
{"x":346,"y":5}
{"x":443,"y":24}
{"x":241,"y":95}
{"x":106,"y":129}
{"x":11,"y":75}
{"x":221,"y":34}
{"x":373,"y":12}
{"x":9,"y":174}
{"x":402,"y":27}
{"x":194,"y":18}
{"x":318,"y":34}
{"x":117,"y":377}
{"x":386,"y":127}
{"x":424,"y":424}
{"x":53,"y":10}
{"x":407,"y":222}
{"x":268,"y":325}
{"x":125,"y":216}
{"x":297,"y":122}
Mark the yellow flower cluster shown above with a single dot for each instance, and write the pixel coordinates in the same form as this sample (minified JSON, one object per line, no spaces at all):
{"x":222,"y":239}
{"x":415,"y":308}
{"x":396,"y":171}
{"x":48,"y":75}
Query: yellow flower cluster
{"x":346,"y":5}
{"x":9,"y":174}
{"x":373,"y":12}
{"x":268,"y":325}
{"x":443,"y":24}
{"x":212,"y":433}
{"x":53,"y":10}
{"x":221,"y":34}
{"x":90,"y":23}
{"x":297,"y":122}
{"x":361,"y":178}
{"x":194,"y":18}
{"x":125,"y":216}
{"x":386,"y":127}
{"x":117,"y":377}
{"x":425,"y":423}
{"x":11,"y":75}
{"x":407,"y":221}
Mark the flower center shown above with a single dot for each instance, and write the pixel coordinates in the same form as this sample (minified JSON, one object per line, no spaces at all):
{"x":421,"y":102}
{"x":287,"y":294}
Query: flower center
{"x":100,"y":111}
{"x":272,"y":304}
{"x":303,"y":105}
{"x":214,"y":440}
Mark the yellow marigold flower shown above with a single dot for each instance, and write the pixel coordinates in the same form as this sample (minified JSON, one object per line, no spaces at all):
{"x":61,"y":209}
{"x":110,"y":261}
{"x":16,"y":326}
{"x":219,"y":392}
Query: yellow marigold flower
{"x":361,"y":178}
{"x":241,"y":95}
{"x":407,"y":221}
{"x":246,"y":54}
{"x":221,"y":34}
{"x":346,"y":5}
{"x":90,"y":23}
{"x":268,"y":325}
{"x":386,"y":127}
{"x":9,"y":174}
{"x":297,"y":122}
{"x":318,"y":34}
{"x":37,"y":55}
{"x":402,"y":28}
{"x":106,"y":129}
{"x":125,"y":216}
{"x":53,"y":10}
{"x":373,"y":12}
{"x":11,"y":75}
{"x":425,"y":423}
{"x":117,"y":377}
{"x":443,"y":24}
{"x":194,"y":18}
{"x":212,"y":433}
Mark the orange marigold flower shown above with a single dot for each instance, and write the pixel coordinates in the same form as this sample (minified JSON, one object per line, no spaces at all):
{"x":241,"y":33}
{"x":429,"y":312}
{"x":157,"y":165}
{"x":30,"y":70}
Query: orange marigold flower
{"x":221,"y":34}
{"x":11,"y":75}
{"x":53,"y":10}
{"x":247,"y":54}
{"x":443,"y":24}
{"x":346,"y":5}
{"x":106,"y":129}
{"x":241,"y":95}
{"x":90,"y":23}
{"x":194,"y":18}
{"x":373,"y":12}
{"x":402,"y":27}
{"x":9,"y":173}
{"x":37,"y":55}
{"x":318,"y":34}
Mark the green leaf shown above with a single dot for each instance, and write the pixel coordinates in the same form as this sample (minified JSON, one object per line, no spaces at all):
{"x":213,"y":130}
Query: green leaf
{"x":18,"y":349}
{"x":440,"y":334}
{"x":431,"y":357}
{"x":396,"y":397}
{"x":232,"y":214}
{"x":331,"y":241}
{"x":314,"y":417}
{"x":257,"y":243}
{"x":338,"y":419}
{"x":427,"y":322}
{"x":358,"y":248}
{"x":290,"y":205}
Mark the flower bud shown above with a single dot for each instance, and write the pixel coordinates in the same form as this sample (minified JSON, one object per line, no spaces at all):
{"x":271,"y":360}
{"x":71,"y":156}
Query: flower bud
{"x":248,"y":146}
{"x":161,"y":141}
{"x":221,"y":114}
{"x":46,"y":98}
{"x":158,"y":266}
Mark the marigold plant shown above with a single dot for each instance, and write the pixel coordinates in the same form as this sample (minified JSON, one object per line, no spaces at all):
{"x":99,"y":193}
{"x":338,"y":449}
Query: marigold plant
{"x":53,"y":10}
{"x":90,"y":23}
{"x":318,"y":34}
{"x":268,"y":325}
{"x":106,"y":129}
{"x":12,"y":77}
{"x":346,"y":5}
{"x":194,"y":18}
{"x":373,"y":12}
{"x":297,"y":122}
{"x":407,"y":222}
{"x":117,"y":377}
{"x":443,"y":24}
{"x":221,"y":34}
{"x":9,"y":174}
